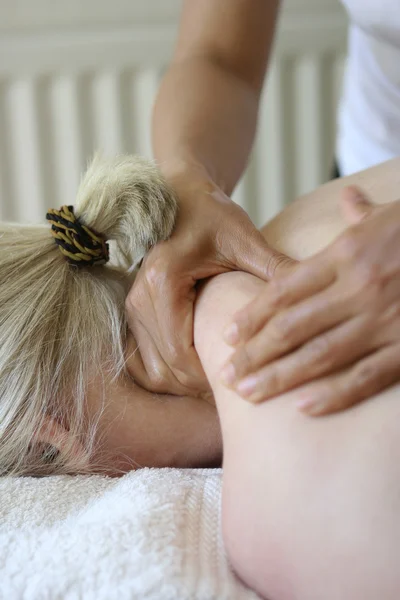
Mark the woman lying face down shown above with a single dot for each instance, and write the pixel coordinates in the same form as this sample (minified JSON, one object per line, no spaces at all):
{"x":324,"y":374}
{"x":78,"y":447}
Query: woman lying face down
{"x":309,"y":507}
{"x":68,"y":398}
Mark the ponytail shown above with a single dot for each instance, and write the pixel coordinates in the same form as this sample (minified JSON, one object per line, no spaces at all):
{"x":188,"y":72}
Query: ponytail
{"x":61,"y":326}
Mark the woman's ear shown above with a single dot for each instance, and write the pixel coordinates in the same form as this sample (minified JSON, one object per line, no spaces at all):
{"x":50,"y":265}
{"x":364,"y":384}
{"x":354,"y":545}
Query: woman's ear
{"x":52,"y":439}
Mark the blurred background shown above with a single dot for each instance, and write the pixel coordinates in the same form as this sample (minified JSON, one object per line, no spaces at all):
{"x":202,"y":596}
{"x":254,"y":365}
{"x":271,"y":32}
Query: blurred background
{"x":82,"y":75}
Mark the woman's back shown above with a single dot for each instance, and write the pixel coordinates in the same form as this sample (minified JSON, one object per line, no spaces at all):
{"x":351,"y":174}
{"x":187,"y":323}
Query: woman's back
{"x":310,"y":505}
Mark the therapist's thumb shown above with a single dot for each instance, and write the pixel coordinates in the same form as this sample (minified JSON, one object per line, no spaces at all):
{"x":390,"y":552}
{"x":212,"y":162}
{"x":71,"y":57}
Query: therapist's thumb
{"x":256,"y":257}
{"x":355,"y":205}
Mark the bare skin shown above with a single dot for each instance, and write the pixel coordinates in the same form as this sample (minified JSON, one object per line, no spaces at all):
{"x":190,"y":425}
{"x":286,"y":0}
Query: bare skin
{"x":343,"y":301}
{"x":203,"y":128}
{"x":204,"y":122}
{"x":310,"y":506}
{"x":139,"y":428}
{"x":301,"y":228}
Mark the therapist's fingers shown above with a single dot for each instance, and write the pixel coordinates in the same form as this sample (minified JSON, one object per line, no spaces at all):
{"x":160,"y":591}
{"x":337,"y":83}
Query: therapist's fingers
{"x":254,"y":256}
{"x":240,"y":246}
{"x":355,"y":205}
{"x":160,"y":317}
{"x":301,"y":281}
{"x":323,"y":355}
{"x":146,"y":366}
{"x":363,"y":380}
{"x":287,"y":330}
{"x":304,"y":279}
{"x":212,"y":235}
{"x":174,"y":309}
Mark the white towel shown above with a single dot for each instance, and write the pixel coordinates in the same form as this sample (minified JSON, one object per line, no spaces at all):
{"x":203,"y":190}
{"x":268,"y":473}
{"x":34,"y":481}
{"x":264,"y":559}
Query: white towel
{"x":152,"y":534}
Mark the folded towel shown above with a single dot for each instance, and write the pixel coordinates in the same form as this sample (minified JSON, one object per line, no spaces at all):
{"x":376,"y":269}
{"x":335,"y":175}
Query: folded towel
{"x":154,"y":533}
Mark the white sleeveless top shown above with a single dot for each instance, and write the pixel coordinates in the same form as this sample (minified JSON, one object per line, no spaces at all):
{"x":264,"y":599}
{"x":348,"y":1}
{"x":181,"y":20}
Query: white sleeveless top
{"x":369,"y":113}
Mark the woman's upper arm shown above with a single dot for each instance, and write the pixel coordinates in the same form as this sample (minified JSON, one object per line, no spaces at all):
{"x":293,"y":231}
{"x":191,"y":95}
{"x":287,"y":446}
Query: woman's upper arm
{"x":218,"y":300}
{"x":301,"y":496}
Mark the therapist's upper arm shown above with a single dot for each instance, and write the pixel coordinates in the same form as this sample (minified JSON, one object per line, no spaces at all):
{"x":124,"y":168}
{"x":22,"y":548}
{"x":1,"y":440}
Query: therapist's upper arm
{"x":235,"y":33}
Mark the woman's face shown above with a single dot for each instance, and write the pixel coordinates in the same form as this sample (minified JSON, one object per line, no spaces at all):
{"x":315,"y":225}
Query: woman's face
{"x":141,"y":429}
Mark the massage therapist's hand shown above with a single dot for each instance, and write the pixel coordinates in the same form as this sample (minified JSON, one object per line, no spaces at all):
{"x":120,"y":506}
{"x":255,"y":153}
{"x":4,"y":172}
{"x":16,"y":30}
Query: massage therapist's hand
{"x":334,"y":320}
{"x":212,"y":235}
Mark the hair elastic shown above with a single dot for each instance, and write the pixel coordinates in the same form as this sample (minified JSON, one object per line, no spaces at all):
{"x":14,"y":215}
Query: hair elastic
{"x":81,"y":245}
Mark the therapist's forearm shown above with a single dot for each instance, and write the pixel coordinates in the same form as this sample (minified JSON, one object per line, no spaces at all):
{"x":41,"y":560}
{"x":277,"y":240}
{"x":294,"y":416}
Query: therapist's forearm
{"x":205,"y":115}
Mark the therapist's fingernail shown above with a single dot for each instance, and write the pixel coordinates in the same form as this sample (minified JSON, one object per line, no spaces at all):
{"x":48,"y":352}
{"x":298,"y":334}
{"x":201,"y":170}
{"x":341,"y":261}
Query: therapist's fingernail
{"x":228,"y":374}
{"x":247,"y":386}
{"x":231,"y":334}
{"x":310,"y":406}
{"x":304,"y":403}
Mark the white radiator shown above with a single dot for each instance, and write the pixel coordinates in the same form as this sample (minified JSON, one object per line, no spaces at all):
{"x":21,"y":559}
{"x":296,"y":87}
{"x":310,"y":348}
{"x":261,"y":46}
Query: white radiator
{"x":82,"y":75}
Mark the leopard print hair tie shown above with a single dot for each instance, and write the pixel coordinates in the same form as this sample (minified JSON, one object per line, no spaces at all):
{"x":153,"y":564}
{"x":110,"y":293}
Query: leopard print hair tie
{"x":81,"y":245}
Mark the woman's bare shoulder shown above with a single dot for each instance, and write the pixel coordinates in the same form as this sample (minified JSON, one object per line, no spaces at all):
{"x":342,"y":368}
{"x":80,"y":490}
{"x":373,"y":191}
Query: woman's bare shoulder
{"x":314,"y":220}
{"x":218,"y":299}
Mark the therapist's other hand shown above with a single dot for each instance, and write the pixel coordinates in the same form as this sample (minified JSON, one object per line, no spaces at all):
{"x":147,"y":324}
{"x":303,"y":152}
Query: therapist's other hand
{"x":212,"y":235}
{"x":332,"y":323}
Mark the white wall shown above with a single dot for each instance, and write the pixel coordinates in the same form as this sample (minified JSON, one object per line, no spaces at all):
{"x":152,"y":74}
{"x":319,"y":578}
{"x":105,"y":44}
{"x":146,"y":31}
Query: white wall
{"x":82,"y":74}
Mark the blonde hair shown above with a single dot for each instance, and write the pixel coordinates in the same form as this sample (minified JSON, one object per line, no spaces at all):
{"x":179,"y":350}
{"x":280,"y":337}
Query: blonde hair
{"x":60,"y":324}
